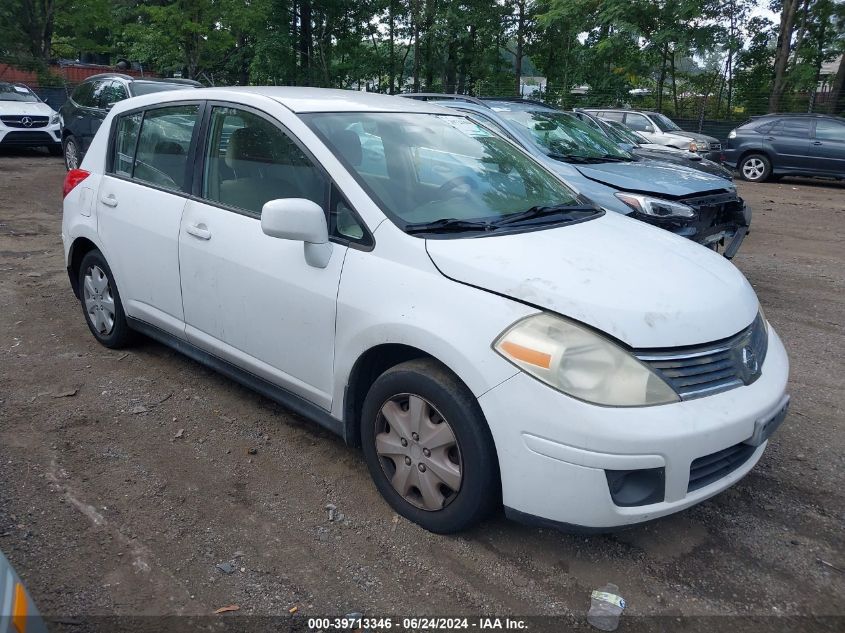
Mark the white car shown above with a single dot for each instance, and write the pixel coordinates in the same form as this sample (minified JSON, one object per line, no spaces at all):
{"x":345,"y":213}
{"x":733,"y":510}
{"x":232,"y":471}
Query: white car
{"x":417,"y":284}
{"x":26,"y":121}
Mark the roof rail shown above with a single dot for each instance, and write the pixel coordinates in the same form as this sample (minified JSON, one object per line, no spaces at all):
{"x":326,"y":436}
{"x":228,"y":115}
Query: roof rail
{"x":432,"y":96}
{"x":114,"y":74}
{"x":519,"y":100}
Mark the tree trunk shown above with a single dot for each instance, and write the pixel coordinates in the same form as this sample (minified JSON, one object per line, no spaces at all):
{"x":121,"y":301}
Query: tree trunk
{"x":787,"y":24}
{"x":661,"y":79}
{"x":520,"y":45}
{"x":306,"y":45}
{"x":837,"y":93}
{"x":430,"y":9}
{"x":674,"y":85}
{"x":391,"y":67}
{"x":415,"y":16}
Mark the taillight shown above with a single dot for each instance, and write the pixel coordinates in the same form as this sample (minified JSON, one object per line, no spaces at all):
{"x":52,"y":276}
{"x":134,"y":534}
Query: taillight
{"x":73,"y":178}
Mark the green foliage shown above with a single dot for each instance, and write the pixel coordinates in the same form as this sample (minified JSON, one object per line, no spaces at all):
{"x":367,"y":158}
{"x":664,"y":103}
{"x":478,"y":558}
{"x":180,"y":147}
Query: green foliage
{"x":691,"y":58}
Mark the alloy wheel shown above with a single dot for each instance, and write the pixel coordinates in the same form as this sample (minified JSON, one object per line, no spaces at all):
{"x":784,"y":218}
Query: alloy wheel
{"x":99,"y":301}
{"x":71,"y":155}
{"x":418,"y":451}
{"x":753,"y":169}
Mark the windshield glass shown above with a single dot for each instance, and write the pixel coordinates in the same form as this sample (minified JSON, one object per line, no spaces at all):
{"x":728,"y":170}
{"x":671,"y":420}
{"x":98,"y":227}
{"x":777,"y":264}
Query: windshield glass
{"x":424,"y":168}
{"x":665,"y":123}
{"x":12,"y":92}
{"x":563,"y":135}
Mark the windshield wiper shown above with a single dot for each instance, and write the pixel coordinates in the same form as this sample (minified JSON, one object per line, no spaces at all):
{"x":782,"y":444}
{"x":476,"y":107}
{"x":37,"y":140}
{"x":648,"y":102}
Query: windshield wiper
{"x":555,"y":212}
{"x":615,"y":159}
{"x":569,"y":158}
{"x":448,"y":225}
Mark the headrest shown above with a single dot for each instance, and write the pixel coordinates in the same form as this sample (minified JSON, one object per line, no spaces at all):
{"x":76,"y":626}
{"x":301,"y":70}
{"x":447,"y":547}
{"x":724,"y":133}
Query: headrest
{"x":169,"y":147}
{"x":249,"y":144}
{"x":348,"y":145}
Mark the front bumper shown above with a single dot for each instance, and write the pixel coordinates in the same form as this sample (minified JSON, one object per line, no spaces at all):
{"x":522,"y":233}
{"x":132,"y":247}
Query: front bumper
{"x":47,"y":136}
{"x":555,"y":451}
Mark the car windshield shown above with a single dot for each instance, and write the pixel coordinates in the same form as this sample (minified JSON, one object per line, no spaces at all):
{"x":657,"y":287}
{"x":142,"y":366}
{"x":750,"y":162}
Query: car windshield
{"x":665,"y":123}
{"x":443,"y":172}
{"x":13,"y":92}
{"x":148,"y":87}
{"x":563,"y":136}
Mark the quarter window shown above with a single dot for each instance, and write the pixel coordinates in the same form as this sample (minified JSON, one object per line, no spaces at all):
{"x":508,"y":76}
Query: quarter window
{"x":830,"y":130}
{"x":82,"y":94}
{"x":250,"y":161}
{"x":162,"y":155}
{"x":112,"y":93}
{"x":125,"y":139}
{"x":613,"y":116}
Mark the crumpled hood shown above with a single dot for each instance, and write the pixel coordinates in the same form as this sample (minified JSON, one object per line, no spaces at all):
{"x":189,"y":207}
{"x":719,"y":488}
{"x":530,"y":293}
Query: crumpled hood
{"x":665,"y":180}
{"x":642,"y":285}
{"x":25,"y":107}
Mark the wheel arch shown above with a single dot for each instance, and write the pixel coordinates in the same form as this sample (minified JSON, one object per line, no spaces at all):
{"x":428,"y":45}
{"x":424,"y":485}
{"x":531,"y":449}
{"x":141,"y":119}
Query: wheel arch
{"x":748,"y":152}
{"x":80,"y":247}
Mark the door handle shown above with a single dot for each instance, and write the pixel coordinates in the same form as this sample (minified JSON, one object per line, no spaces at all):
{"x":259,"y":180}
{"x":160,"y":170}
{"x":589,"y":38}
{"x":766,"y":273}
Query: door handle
{"x":199,"y":230}
{"x":817,"y":143}
{"x":109,"y":200}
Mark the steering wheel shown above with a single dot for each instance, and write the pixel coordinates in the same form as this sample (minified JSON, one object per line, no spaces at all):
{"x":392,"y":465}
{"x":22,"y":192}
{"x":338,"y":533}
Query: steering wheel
{"x":447,"y":187}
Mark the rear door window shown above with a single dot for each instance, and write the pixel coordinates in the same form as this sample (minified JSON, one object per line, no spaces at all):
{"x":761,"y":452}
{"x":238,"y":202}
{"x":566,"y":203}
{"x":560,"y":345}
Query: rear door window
{"x":111,"y":93}
{"x":161,"y":158}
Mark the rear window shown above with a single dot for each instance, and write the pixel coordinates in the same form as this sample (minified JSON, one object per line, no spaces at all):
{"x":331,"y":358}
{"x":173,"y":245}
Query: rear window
{"x":148,"y":87}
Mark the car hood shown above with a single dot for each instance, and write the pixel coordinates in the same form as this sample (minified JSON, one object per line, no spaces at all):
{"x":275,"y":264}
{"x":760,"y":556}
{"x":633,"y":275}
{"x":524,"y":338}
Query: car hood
{"x":24,"y":108}
{"x":695,"y":136}
{"x":649,"y":177}
{"x":641,"y":285}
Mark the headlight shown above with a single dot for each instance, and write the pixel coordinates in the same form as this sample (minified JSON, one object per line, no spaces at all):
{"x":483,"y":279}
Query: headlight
{"x":656,"y":207}
{"x":55,"y":119}
{"x":732,"y":134}
{"x":693,"y":146}
{"x":580,"y":363}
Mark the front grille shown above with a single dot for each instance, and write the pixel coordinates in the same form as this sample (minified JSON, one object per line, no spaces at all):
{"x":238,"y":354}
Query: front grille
{"x":715,"y":146}
{"x":14,"y":138}
{"x":18,"y":121}
{"x":705,"y":470}
{"x":694,"y":372}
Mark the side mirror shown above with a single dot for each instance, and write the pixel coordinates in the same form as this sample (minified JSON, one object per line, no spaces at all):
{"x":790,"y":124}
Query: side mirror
{"x":649,"y":128}
{"x":110,"y":105}
{"x":299,"y":220}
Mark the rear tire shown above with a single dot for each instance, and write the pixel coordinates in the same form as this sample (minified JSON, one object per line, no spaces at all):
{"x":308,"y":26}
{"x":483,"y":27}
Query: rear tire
{"x":755,"y":168}
{"x":72,"y":152}
{"x":428,"y":447}
{"x":101,"y":302}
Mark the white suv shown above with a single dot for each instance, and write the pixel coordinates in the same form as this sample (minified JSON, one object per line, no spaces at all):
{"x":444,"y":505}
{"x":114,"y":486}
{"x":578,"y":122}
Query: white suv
{"x":417,"y":284}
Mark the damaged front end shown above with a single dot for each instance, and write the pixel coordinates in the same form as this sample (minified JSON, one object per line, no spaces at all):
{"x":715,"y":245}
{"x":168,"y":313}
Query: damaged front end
{"x":720,"y":221}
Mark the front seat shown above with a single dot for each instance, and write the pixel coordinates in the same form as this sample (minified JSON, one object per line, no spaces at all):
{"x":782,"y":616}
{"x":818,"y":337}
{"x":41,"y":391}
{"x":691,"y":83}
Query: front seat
{"x":256,"y":174}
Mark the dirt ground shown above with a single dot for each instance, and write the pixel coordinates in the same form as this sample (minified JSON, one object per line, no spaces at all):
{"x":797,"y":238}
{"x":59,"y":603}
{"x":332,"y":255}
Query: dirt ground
{"x":104,"y":510}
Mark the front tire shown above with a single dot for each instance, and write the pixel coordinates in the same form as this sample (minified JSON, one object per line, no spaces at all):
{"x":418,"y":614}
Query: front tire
{"x":101,"y":302}
{"x":428,"y":447}
{"x":755,"y":168}
{"x":72,"y":152}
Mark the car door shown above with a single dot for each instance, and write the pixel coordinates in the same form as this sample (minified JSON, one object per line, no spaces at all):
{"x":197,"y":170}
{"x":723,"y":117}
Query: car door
{"x":249,"y":298}
{"x":827,"y":148}
{"x":139,"y":207}
{"x":788,"y":143}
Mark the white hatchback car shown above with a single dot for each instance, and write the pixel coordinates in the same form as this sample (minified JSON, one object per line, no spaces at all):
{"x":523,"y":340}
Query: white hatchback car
{"x":417,"y":284}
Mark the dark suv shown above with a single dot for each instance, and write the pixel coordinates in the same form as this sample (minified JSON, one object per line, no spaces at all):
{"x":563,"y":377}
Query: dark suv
{"x":777,"y":145}
{"x":89,"y":103}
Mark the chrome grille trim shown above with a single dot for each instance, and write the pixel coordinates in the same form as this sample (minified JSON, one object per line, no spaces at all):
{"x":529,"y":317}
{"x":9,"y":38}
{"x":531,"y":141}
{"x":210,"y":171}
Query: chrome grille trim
{"x":705,"y":370}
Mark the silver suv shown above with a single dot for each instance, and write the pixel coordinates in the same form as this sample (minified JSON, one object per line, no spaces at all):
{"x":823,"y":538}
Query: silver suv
{"x":658,"y":128}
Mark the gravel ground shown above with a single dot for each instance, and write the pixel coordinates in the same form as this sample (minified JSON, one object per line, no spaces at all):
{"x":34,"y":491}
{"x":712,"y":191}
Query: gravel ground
{"x":126,"y":477}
